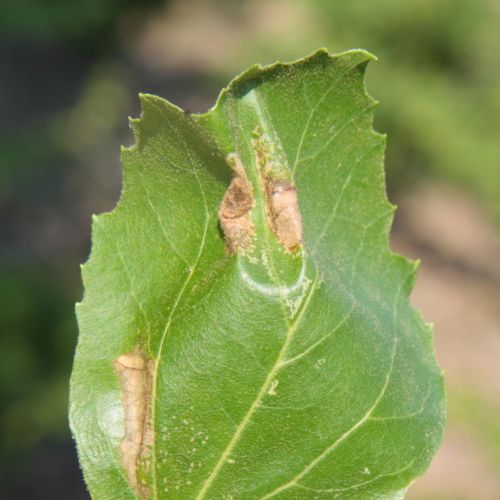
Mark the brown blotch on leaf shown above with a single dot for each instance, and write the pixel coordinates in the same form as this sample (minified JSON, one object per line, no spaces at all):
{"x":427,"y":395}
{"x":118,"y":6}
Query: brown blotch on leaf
{"x":136,"y":377}
{"x":283,"y":212}
{"x":234,"y":215}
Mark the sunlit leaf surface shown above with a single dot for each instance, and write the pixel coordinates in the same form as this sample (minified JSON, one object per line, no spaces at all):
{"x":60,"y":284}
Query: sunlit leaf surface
{"x":264,"y":347}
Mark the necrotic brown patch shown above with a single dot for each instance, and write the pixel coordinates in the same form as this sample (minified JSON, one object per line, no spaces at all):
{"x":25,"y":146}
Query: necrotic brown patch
{"x":234,"y":214}
{"x":136,"y":375}
{"x":283,"y":212}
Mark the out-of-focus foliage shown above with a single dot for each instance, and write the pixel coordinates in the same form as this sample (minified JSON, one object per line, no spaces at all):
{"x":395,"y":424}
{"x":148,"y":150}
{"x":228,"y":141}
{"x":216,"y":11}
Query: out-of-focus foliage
{"x":62,"y":19}
{"x":437,"y":78}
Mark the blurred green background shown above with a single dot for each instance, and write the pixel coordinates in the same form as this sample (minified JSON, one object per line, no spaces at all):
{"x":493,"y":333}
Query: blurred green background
{"x":69,"y":78}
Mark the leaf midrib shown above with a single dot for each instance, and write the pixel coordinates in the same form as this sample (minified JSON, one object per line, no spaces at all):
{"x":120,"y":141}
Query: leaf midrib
{"x":265,"y":386}
{"x":291,"y":328}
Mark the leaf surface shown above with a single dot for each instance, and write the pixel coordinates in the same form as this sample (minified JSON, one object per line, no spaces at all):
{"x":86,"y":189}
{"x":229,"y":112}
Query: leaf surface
{"x":259,"y":368}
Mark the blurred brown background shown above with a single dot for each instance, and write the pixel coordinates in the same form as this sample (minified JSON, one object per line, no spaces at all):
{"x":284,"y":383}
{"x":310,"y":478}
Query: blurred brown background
{"x":69,"y":77}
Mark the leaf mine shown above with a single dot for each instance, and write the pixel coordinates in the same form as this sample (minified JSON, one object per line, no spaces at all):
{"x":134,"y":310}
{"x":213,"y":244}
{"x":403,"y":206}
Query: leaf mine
{"x":136,"y":375}
{"x":280,"y":194}
{"x":235,"y":213}
{"x":283,"y":213}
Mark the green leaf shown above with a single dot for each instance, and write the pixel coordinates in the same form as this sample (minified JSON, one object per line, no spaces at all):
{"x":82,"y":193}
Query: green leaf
{"x":241,"y":346}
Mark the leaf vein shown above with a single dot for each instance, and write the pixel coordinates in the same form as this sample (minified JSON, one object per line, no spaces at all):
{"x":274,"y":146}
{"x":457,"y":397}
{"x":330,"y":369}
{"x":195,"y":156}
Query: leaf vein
{"x":311,"y":114}
{"x":359,"y":485}
{"x":160,"y":223}
{"x":359,"y":423}
{"x":260,"y":395}
{"x":344,"y":126}
{"x":345,"y":184}
{"x":346,"y":317}
{"x":192,"y":270}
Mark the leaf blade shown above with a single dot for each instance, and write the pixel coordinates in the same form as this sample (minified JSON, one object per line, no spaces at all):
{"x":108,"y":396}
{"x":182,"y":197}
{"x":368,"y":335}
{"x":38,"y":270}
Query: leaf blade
{"x":271,"y":367}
